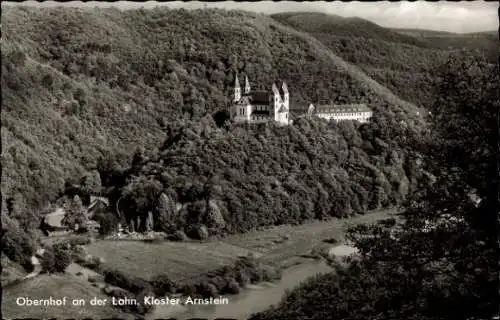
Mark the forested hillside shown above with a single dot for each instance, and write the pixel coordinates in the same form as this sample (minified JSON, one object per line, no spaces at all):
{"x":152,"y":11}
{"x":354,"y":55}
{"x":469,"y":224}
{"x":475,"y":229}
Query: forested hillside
{"x":79,"y":84}
{"x":237,"y":179}
{"x":405,"y":62}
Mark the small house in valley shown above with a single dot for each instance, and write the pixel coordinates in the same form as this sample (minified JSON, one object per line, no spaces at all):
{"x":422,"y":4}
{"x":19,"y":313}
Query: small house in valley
{"x":52,"y":223}
{"x":97,"y":205}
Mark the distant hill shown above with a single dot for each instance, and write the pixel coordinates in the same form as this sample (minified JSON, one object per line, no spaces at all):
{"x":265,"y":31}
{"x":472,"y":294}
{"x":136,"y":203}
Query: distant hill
{"x":486,"y":41}
{"x":398,"y":59}
{"x":78,"y":85}
{"x":322,"y":23}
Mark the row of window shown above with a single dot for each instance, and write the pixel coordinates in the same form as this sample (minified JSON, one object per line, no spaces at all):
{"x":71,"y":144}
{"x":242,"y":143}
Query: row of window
{"x":355,"y":114}
{"x":260,"y":117}
{"x":261,"y":108}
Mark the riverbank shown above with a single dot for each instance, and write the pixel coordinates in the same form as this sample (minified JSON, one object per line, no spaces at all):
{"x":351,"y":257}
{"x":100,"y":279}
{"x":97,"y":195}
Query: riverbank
{"x":254,"y":298}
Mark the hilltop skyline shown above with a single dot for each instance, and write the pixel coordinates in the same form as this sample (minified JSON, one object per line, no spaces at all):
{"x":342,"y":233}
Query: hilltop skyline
{"x":457,"y":17}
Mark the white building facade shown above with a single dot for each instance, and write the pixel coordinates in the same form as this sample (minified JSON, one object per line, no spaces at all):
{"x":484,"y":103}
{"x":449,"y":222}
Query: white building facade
{"x":358,"y":112}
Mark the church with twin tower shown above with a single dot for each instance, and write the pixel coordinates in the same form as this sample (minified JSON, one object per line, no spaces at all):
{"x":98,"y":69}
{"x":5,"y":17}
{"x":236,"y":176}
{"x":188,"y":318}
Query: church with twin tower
{"x":254,"y":106}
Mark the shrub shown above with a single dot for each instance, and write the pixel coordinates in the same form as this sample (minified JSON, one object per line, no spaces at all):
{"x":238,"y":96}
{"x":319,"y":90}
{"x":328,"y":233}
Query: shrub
{"x":179,"y":235}
{"x":16,"y":243}
{"x":206,"y":289}
{"x":188,"y":289}
{"x":220,"y":282}
{"x":119,"y":279}
{"x":269,"y":273}
{"x":242,"y":278}
{"x":56,"y":258}
{"x":229,"y":279}
{"x":62,"y":257}
{"x":91,"y":262}
{"x":108,"y":222}
{"x":47,"y":261}
{"x":198,"y":232}
{"x":162,"y":285}
{"x":232,"y":287}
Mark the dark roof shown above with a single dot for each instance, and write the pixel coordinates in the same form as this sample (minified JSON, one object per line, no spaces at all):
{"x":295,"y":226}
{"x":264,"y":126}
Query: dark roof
{"x":259,"y":97}
{"x":341,"y":108}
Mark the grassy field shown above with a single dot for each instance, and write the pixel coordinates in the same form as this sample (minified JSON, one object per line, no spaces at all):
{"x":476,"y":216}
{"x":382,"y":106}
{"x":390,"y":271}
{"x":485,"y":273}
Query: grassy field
{"x":181,"y":260}
{"x":58,"y":286}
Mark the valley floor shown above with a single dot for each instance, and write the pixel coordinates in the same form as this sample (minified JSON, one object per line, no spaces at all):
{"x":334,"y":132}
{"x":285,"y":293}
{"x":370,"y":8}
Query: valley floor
{"x":181,"y":260}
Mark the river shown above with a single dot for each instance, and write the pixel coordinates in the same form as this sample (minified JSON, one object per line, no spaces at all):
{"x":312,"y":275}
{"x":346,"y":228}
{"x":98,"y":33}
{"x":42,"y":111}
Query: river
{"x":254,"y":299}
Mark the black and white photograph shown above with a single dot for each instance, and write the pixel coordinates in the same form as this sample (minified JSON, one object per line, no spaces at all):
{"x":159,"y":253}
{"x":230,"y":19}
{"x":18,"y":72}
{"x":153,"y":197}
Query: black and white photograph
{"x":268,"y":160}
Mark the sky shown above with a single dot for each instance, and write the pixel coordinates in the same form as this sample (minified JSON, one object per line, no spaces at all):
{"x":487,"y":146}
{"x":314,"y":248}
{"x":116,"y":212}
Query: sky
{"x":459,"y":17}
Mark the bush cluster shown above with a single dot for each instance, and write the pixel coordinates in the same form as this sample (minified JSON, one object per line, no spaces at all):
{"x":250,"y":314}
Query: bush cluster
{"x":225,"y":280}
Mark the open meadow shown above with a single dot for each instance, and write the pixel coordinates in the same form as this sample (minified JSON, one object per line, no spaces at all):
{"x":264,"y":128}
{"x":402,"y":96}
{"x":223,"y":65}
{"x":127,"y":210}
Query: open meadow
{"x":182,"y":260}
{"x":179,"y":260}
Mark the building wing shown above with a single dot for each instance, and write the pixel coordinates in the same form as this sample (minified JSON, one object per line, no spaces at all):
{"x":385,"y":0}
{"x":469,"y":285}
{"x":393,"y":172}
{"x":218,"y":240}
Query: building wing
{"x":341,"y":108}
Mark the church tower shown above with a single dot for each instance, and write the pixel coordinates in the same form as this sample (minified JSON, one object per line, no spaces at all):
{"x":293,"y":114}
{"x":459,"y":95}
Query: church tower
{"x":247,"y":85}
{"x":286,"y":96}
{"x":277,"y":96}
{"x":237,"y":90}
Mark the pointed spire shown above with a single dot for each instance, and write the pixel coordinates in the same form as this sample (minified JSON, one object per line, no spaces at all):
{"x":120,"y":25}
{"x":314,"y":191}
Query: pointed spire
{"x":247,"y":85}
{"x":284,"y":87}
{"x":275,"y":89}
{"x":237,"y":89}
{"x":236,"y":82}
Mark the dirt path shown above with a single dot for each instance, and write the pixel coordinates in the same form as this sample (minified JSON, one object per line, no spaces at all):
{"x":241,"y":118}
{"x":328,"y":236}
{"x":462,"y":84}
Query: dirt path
{"x":37,"y":268}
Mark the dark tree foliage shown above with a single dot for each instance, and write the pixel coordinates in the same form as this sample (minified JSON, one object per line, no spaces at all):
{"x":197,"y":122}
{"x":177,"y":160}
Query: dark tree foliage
{"x":238,"y":179}
{"x":56,"y":258}
{"x":442,"y":261}
{"x":17,"y":245}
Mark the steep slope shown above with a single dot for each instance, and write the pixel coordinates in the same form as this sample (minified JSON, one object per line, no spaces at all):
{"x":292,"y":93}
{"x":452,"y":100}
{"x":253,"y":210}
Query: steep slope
{"x":402,"y":62}
{"x":78,"y":84}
